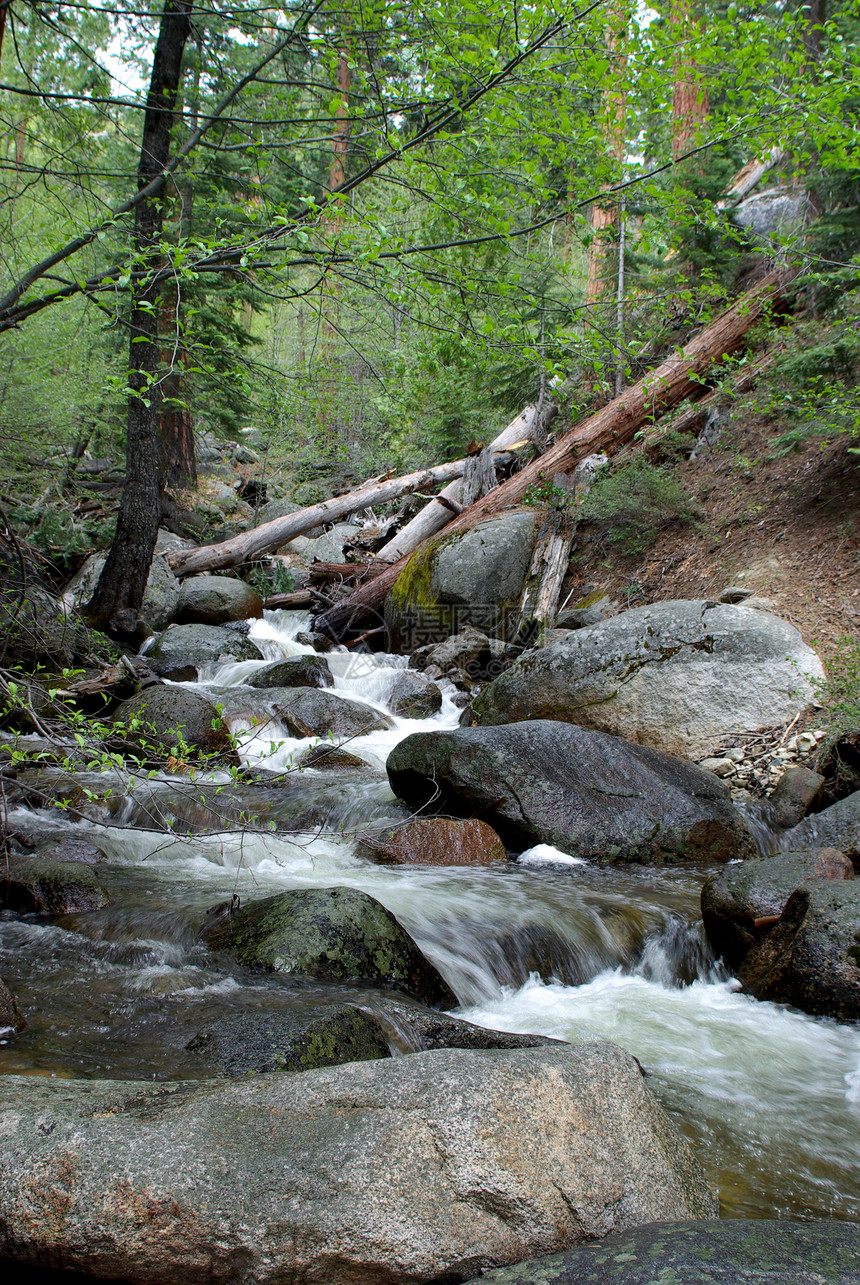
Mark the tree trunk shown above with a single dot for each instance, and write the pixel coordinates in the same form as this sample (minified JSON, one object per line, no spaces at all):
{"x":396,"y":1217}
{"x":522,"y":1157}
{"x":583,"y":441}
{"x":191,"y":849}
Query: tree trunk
{"x":116,"y":601}
{"x":178,"y":465}
{"x":271,"y":535}
{"x":606,"y":430}
{"x":690,"y":98}
{"x":546,"y":573}
{"x":604,"y":217}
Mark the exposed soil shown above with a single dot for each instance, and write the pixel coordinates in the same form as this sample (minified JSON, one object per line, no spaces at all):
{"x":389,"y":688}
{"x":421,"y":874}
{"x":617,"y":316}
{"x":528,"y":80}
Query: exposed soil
{"x":786,"y":528}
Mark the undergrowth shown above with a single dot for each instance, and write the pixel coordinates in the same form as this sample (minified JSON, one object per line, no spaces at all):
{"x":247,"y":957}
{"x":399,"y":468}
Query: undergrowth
{"x":634,"y":501}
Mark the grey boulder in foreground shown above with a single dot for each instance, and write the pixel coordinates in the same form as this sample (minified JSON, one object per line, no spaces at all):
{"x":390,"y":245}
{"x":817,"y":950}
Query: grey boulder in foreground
{"x":735,"y":1252}
{"x":411,"y":1169}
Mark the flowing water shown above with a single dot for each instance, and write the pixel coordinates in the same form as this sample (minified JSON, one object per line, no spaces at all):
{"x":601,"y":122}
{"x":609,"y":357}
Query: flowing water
{"x":769,"y":1098}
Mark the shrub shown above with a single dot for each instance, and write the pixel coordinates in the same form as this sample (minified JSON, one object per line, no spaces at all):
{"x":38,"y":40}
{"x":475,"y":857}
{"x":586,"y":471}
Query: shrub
{"x":634,"y":501}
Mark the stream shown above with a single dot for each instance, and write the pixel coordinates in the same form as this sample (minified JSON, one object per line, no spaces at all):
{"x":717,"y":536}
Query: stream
{"x":768,"y":1097}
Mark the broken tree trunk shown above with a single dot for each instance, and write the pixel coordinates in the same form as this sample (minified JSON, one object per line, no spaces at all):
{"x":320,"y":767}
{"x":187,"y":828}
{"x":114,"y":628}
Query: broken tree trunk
{"x":271,"y":535}
{"x":606,"y":430}
{"x":438,"y":513}
{"x":546,"y":573}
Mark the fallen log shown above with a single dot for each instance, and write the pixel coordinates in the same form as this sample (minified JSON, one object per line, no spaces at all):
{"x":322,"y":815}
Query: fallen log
{"x":298,"y":600}
{"x":437,"y":514}
{"x":271,"y":535}
{"x":606,"y":430}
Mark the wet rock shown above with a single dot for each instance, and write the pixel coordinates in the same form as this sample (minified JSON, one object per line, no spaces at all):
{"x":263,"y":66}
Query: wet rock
{"x":475,"y":579}
{"x":413,"y":1029}
{"x":298,"y":671}
{"x":329,"y":758}
{"x":36,"y":885}
{"x":682,"y":676}
{"x":11,"y":1019}
{"x":425,"y":1168}
{"x":300,"y":1040}
{"x":182,"y":650}
{"x":38,"y":629}
{"x":214,"y":600}
{"x":319,"y":642}
{"x":734,"y":1251}
{"x":307,"y":711}
{"x":797,"y":790}
{"x":836,"y":827}
{"x":742,"y":902}
{"x":70,"y":849}
{"x":171,"y":719}
{"x":414,"y":696}
{"x":337,"y":934}
{"x":811,"y":958}
{"x":467,"y":658}
{"x":160,"y":598}
{"x":588,"y":794}
{"x":436,"y":841}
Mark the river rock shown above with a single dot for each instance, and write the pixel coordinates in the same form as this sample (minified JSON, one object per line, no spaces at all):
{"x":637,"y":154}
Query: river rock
{"x":214,"y":600}
{"x":811,"y":958}
{"x":588,"y":794}
{"x":329,"y":758}
{"x":291,"y":1040}
{"x":424,"y":1168}
{"x":836,"y":827}
{"x":35,"y":884}
{"x":37,"y":629}
{"x":734,"y":1251}
{"x":67,"y":849}
{"x":330,"y":546}
{"x":307,"y":711}
{"x":797,"y":790}
{"x":436,"y":841}
{"x":172,"y":718}
{"x":472,"y":579}
{"x":337,"y":934}
{"x":412,"y":695}
{"x":412,"y":1028}
{"x":682,"y":676}
{"x":740,"y":895}
{"x":160,"y":598}
{"x":298,"y":671}
{"x":182,"y":650}
{"x":11,"y":1019}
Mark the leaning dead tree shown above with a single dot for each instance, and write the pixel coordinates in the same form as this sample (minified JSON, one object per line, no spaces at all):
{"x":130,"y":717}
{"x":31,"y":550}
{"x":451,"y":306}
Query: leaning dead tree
{"x":680,"y":376}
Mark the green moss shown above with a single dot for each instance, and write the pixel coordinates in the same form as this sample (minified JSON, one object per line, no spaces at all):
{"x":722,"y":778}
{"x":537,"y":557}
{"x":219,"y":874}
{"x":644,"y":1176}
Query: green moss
{"x":414,"y":586}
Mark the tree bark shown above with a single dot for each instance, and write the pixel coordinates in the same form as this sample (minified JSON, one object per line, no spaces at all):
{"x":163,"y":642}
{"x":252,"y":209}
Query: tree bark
{"x":271,"y":535}
{"x":606,"y":430}
{"x":690,"y":98}
{"x":116,"y":601}
{"x":604,"y":217}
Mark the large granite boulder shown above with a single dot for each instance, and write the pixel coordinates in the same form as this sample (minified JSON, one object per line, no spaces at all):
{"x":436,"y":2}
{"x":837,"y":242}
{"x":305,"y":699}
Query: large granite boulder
{"x":337,"y":934}
{"x":682,"y":676}
{"x":418,"y":1169}
{"x":297,"y":671}
{"x":734,"y":1251}
{"x":183,"y":650}
{"x":588,"y":794}
{"x":472,"y":579}
{"x":741,"y":902}
{"x":160,"y":598}
{"x":171,"y":718}
{"x":811,"y":958}
{"x":216,"y":600}
{"x":331,"y":545}
{"x":43,"y":885}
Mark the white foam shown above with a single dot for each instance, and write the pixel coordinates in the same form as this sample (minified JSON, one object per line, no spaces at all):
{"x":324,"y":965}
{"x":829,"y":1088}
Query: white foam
{"x":544,"y":854}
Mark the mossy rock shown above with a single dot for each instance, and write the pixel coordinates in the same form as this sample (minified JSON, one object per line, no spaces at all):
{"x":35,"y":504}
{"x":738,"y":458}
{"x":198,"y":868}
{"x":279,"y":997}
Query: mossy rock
{"x":337,"y":934}
{"x":251,"y":1043}
{"x":32,"y":884}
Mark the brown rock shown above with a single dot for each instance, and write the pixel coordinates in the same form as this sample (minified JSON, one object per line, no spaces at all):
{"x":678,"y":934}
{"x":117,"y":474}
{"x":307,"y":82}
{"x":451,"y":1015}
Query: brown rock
{"x":436,"y":841}
{"x":832,"y":864}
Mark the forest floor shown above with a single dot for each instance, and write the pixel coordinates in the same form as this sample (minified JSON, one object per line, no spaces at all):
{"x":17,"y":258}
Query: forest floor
{"x":787,"y":528}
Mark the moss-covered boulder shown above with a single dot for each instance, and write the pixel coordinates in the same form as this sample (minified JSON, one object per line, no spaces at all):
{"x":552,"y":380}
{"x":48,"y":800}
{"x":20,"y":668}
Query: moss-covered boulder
{"x":300,"y":1040}
{"x":735,"y":1251}
{"x":33,"y":884}
{"x":338,"y":934}
{"x":298,"y":671}
{"x":171,"y":718}
{"x":740,"y":903}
